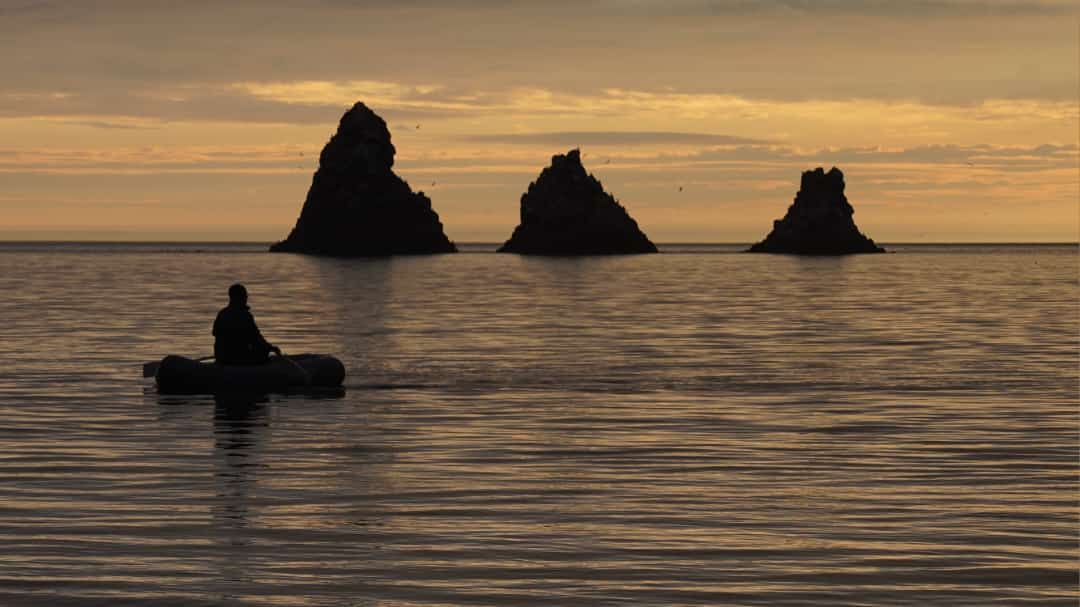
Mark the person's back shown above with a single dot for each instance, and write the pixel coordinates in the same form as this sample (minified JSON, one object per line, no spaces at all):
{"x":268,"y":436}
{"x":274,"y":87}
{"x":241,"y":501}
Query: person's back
{"x":237,"y":340}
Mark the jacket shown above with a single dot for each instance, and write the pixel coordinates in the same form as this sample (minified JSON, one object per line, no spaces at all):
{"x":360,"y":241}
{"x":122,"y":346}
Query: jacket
{"x":237,"y":339}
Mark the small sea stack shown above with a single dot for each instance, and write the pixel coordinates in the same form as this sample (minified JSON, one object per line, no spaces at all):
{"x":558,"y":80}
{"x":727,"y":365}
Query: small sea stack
{"x":567,"y":212}
{"x":357,"y":206}
{"x":819,"y":222}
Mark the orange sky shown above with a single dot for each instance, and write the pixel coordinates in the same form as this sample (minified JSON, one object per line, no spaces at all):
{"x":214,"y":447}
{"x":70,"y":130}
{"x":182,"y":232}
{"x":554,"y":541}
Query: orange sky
{"x":952,"y":120}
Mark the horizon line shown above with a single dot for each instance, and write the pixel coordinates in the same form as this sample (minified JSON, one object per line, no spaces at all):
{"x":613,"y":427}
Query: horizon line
{"x":5,"y":241}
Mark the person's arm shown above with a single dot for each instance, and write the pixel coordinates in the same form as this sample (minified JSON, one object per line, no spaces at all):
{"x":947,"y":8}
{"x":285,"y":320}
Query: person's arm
{"x":258,"y":339}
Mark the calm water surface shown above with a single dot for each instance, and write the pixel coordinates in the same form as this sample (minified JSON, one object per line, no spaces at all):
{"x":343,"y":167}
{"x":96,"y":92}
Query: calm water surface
{"x":693,"y":428}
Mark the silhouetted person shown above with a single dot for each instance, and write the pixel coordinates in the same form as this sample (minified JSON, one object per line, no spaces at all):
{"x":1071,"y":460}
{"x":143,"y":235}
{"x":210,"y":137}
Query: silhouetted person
{"x":237,"y":340}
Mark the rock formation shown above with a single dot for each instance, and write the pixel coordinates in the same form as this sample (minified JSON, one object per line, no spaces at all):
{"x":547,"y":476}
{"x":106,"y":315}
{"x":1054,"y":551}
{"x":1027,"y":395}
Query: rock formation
{"x":357,"y":206}
{"x":567,"y":212}
{"x":819,"y":222}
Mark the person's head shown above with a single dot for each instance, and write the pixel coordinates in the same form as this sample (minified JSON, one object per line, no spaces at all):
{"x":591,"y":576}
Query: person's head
{"x":237,"y":294}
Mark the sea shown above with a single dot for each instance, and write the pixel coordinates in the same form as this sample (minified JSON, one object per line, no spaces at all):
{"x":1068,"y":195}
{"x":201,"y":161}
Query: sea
{"x":698,"y":427}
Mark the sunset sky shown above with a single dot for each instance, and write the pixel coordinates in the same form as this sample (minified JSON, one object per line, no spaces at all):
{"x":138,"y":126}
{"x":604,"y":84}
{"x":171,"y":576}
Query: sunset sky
{"x":952,"y":120}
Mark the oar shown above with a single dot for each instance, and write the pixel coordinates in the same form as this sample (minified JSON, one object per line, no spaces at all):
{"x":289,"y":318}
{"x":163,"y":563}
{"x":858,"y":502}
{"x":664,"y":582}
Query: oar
{"x":150,"y":369}
{"x":303,"y":372}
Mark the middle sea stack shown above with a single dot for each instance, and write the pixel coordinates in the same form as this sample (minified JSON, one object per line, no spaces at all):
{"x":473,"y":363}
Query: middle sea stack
{"x":357,"y":206}
{"x":818,"y":222}
{"x":567,"y":212}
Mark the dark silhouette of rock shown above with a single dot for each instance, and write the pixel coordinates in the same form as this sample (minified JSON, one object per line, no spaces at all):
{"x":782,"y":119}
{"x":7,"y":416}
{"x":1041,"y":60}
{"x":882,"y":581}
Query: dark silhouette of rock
{"x":819,"y":222}
{"x":357,"y":206}
{"x":567,"y":212}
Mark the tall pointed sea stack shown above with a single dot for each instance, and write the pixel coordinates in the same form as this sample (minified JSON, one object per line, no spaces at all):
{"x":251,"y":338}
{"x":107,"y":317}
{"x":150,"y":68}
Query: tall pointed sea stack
{"x":357,"y":206}
{"x":819,"y":222}
{"x":567,"y":212}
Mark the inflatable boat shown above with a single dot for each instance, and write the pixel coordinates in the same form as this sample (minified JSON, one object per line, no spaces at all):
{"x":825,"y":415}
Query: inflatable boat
{"x":179,"y":375}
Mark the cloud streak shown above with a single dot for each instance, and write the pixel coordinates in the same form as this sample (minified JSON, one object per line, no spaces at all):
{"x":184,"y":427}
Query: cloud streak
{"x":793,"y":49}
{"x":612,"y":138}
{"x":909,"y":9}
{"x":295,"y":159}
{"x":538,"y":116}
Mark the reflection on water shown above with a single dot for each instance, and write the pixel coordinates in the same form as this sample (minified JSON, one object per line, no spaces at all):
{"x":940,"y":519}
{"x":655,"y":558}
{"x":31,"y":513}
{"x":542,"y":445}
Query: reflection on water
{"x":239,"y":424}
{"x":692,"y":428}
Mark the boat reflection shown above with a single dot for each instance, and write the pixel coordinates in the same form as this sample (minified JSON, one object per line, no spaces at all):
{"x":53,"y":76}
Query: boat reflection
{"x":240,"y":427}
